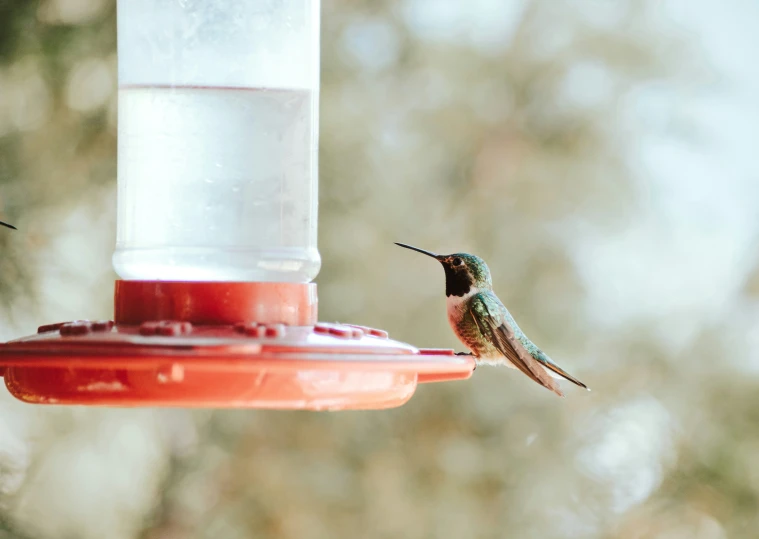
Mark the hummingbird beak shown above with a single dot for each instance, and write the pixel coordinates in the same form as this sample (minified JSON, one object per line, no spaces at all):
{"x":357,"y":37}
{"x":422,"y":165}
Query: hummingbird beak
{"x":418,"y":250}
{"x":9,"y":226}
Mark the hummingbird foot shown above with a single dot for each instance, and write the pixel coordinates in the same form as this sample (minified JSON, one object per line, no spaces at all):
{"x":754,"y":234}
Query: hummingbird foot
{"x":468,"y":354}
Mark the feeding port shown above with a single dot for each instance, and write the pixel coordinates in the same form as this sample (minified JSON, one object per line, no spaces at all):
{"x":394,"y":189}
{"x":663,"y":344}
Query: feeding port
{"x":216,"y":235}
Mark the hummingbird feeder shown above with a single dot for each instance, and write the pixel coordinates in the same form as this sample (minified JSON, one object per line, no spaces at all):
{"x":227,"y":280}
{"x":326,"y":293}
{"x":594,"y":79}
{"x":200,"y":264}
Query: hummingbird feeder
{"x":216,"y":241}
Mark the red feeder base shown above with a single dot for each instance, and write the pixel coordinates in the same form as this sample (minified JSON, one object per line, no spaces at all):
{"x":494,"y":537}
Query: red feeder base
{"x":233,"y":345}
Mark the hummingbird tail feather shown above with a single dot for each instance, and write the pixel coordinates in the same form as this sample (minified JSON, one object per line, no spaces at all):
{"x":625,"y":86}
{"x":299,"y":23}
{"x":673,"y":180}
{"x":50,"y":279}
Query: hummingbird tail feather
{"x":564,"y":374}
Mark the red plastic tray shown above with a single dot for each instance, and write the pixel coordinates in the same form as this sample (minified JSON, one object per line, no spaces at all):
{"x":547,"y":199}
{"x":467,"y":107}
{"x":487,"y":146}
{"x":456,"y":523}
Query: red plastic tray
{"x":273,"y":356}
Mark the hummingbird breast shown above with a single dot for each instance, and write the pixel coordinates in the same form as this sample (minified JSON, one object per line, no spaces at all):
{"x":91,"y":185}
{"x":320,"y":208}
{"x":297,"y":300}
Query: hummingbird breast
{"x":465,"y":327}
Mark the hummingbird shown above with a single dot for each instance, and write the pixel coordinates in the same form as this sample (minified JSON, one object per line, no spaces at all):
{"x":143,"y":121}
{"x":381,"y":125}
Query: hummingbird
{"x":9,"y":226}
{"x":485,"y":326}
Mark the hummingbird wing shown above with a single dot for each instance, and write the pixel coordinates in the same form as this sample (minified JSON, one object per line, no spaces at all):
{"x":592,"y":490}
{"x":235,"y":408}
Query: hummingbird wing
{"x":498,"y":326}
{"x":541,"y":356}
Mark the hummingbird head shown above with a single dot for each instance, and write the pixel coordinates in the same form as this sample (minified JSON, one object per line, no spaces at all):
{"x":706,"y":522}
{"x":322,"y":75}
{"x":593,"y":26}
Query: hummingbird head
{"x":462,"y":271}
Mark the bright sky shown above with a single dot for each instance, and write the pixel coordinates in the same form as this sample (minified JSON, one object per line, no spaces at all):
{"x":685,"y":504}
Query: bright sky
{"x":689,"y":252}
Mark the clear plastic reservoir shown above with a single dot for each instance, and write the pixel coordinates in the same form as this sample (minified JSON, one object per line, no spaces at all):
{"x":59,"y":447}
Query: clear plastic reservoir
{"x":217,"y":140}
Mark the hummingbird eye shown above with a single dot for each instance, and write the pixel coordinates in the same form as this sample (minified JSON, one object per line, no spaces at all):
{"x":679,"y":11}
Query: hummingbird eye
{"x":457,"y":261}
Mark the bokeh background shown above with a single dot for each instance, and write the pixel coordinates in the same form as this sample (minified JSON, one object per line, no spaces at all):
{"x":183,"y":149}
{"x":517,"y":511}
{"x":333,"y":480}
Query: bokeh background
{"x":600,"y":155}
